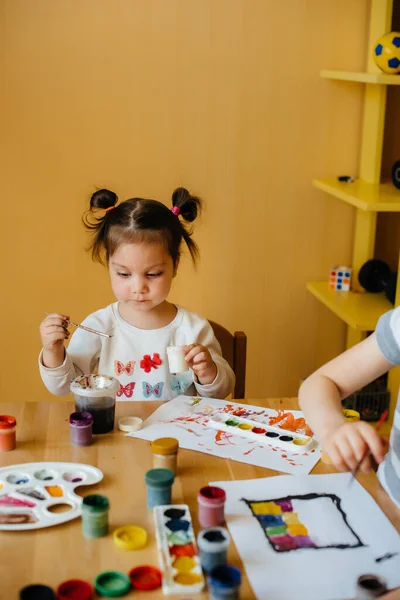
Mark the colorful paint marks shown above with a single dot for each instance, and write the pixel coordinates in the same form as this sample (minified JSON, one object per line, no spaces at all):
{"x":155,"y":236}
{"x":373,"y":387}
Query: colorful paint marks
{"x":283,"y":524}
{"x":54,"y":490}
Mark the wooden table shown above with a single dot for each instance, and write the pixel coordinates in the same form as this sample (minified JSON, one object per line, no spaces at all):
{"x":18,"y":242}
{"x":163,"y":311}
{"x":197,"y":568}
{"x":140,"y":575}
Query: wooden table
{"x":52,"y":555}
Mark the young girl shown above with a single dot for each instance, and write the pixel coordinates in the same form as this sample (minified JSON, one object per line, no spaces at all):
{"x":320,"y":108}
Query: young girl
{"x":140,"y":241}
{"x":321,"y":394}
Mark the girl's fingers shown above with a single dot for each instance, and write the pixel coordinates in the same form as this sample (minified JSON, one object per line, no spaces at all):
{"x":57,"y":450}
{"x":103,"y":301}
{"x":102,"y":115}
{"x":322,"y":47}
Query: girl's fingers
{"x":201,"y":357}
{"x":372,"y":440}
{"x":336,"y":457}
{"x":195,"y":350}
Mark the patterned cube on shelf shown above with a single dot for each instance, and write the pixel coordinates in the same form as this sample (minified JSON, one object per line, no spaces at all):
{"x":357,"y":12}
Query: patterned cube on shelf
{"x":340,"y":279}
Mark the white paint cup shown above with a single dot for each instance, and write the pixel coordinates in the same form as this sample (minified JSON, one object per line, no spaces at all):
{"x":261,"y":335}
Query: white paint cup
{"x":176,"y":359}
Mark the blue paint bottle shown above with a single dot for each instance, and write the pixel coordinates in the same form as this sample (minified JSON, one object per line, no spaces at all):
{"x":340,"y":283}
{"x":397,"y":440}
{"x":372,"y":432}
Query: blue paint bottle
{"x":213,"y":545}
{"x":159,"y":483}
{"x":224,"y":583}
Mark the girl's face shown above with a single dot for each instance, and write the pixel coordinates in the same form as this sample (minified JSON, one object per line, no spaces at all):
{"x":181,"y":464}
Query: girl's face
{"x":141,"y":275}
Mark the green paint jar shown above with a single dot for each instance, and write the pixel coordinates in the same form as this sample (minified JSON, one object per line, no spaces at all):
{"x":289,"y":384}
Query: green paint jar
{"x":95,"y":516}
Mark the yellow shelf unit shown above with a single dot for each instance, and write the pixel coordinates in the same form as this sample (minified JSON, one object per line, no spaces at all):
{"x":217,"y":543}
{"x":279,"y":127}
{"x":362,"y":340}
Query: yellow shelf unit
{"x":358,"y":310}
{"x":362,"y":77}
{"x":374,"y":197}
{"x":361,"y":311}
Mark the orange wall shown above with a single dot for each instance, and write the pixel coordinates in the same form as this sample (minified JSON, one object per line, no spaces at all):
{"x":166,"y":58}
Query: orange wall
{"x":221,"y":96}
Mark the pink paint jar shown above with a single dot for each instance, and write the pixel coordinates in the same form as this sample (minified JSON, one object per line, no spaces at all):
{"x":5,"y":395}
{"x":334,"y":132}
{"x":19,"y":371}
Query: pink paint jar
{"x":8,"y":426}
{"x":80,"y":425}
{"x":211,"y":501}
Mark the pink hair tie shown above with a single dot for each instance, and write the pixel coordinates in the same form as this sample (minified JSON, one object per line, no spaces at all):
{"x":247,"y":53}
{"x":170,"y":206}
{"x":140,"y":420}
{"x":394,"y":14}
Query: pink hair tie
{"x":176,"y":210}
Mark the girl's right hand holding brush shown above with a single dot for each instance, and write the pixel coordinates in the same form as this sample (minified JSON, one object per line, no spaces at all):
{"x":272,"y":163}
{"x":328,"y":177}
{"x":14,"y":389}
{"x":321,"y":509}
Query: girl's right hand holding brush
{"x":53,"y":332}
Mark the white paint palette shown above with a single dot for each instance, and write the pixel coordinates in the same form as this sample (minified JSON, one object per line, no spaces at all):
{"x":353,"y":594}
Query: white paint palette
{"x":261,"y":432}
{"x":36,"y":495}
{"x":177,"y":550}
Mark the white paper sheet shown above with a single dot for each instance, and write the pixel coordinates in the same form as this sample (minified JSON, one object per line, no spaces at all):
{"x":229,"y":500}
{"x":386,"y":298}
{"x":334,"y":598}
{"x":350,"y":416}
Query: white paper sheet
{"x":187,"y":422}
{"x":312,"y":573}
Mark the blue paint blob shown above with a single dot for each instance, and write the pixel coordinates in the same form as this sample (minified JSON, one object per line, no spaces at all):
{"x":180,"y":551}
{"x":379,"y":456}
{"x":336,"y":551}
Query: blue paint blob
{"x":177,"y":525}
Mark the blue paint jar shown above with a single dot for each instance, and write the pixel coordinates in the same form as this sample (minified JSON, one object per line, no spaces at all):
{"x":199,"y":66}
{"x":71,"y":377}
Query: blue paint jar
{"x":224,"y":583}
{"x":159,"y":483}
{"x":213,"y":545}
{"x":37,"y":592}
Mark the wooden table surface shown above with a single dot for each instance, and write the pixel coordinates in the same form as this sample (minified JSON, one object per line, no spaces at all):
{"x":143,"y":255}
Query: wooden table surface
{"x":54,"y":554}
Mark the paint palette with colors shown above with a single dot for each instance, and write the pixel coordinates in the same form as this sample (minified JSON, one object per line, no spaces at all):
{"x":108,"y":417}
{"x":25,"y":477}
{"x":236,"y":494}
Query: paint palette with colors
{"x":36,"y":495}
{"x":260,"y":431}
{"x":177,"y":549}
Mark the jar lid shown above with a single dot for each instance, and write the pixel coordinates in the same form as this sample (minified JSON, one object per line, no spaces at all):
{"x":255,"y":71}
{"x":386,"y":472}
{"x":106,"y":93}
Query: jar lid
{"x":112,"y":584}
{"x":130,"y":537}
{"x":74,"y":589}
{"x":7,"y":422}
{"x":225,"y":576}
{"x":95,"y":503}
{"x":213,"y":539}
{"x":145,"y":578}
{"x":159,"y":478}
{"x":81,"y":419}
{"x":350,"y":415}
{"x":212,"y":494}
{"x":94,"y":386}
{"x":130,"y":423}
{"x":35,"y":591}
{"x":165,"y":445}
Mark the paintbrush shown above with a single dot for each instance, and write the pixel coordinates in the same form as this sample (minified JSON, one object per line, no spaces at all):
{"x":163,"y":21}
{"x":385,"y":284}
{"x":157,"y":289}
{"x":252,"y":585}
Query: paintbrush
{"x":368,"y":451}
{"x":107,"y":335}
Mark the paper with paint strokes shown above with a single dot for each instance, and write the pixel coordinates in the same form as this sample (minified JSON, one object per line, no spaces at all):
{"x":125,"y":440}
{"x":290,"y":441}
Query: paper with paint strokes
{"x":309,"y":537}
{"x":186,"y":419}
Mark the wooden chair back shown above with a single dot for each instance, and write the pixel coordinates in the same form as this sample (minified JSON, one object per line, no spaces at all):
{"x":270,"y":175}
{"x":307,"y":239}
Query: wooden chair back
{"x":234,"y":348}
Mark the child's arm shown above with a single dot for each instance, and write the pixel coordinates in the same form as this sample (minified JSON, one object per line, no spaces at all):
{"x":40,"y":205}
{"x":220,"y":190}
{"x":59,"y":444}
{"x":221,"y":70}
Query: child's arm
{"x":320,"y":398}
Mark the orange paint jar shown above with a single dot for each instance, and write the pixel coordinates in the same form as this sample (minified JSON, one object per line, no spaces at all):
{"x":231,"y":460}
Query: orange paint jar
{"x":8,"y":426}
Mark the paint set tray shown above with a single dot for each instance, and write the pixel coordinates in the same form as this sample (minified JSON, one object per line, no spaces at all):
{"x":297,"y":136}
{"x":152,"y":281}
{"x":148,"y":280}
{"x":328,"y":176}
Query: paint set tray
{"x":177,"y":550}
{"x":36,"y":495}
{"x":259,"y":431}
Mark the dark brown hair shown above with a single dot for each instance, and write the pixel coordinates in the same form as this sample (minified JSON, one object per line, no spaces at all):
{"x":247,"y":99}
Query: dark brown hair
{"x":138,"y":220}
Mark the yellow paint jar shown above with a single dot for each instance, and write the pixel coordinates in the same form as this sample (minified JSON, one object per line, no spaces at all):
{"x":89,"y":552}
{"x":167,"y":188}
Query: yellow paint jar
{"x":165,"y":453}
{"x":351,"y":416}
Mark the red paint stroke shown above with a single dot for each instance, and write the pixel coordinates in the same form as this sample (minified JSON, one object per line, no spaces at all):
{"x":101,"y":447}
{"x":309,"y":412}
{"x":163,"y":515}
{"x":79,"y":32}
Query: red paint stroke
{"x":313,"y":450}
{"x":248,"y":451}
{"x":258,"y":430}
{"x":284,"y":455}
{"x":281,"y":401}
{"x":286,"y":420}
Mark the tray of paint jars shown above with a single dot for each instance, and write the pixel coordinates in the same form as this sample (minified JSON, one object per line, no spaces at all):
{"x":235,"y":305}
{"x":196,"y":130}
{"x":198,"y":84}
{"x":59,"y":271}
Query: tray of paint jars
{"x":42,"y":494}
{"x":177,"y":550}
{"x":260,"y":431}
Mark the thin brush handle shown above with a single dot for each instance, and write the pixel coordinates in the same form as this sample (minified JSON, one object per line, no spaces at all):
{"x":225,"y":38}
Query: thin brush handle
{"x":87,"y":328}
{"x":367,"y":452}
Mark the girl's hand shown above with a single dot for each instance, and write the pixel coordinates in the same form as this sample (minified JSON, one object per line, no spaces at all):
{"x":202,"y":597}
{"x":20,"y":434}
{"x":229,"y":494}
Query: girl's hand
{"x":392,"y":595}
{"x":53,"y":332}
{"x":199,"y":359}
{"x":347,"y":444}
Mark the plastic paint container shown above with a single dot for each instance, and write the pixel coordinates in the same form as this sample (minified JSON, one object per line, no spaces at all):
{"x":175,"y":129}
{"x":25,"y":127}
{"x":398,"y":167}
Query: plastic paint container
{"x":74,"y":589}
{"x":211,"y":501}
{"x":145,"y":578}
{"x":8,"y":426}
{"x":130,"y":537}
{"x":165,"y":453}
{"x":176,"y":359}
{"x":37,"y":592}
{"x":224,"y":583}
{"x":130,"y":424}
{"x":112,"y":584}
{"x":159,"y":483}
{"x":370,"y":586}
{"x":95,"y":516}
{"x":213,"y":545}
{"x":81,"y":428}
{"x":96,"y":394}
{"x":351,"y":416}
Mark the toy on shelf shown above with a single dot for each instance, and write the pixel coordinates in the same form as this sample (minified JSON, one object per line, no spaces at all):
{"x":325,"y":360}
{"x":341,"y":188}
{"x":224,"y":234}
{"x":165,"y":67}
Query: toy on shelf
{"x":375,"y":276}
{"x":340,"y":279}
{"x":387,"y":52}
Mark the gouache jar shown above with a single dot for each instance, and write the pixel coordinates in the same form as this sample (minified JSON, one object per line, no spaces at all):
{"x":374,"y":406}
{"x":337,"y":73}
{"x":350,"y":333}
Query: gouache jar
{"x":37,"y":592}
{"x":74,"y":589}
{"x":351,"y":416}
{"x":370,"y":586}
{"x":96,"y":394}
{"x":224,"y":583}
{"x":165,"y":453}
{"x":211,"y":501}
{"x":8,"y":426}
{"x":80,"y":426}
{"x":95,"y":516}
{"x":213,"y":545}
{"x":159,"y":483}
{"x":176,"y":359}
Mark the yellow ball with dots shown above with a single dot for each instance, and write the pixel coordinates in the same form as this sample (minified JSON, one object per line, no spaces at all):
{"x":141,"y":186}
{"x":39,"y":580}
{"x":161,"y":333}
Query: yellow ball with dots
{"x":387,"y":52}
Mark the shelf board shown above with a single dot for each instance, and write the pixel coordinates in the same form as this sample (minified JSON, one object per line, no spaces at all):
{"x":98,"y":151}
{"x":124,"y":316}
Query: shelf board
{"x":374,"y":197}
{"x":379,"y":78}
{"x":359,"y":310}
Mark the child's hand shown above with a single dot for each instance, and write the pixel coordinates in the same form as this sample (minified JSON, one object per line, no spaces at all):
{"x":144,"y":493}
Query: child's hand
{"x":199,"y":359}
{"x":392,"y":595}
{"x":53,"y":331}
{"x":347,"y":444}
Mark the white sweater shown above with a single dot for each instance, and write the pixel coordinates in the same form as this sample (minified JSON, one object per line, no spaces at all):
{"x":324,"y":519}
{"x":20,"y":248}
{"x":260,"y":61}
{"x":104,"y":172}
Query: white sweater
{"x":138,"y":357}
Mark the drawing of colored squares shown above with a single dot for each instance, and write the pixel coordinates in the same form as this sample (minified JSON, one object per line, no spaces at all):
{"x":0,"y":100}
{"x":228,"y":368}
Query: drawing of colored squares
{"x":314,"y":521}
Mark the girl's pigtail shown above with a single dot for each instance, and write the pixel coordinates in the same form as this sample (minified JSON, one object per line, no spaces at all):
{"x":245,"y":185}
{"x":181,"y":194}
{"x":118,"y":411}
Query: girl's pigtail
{"x":105,"y":200}
{"x":188,"y":207}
